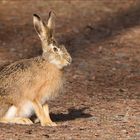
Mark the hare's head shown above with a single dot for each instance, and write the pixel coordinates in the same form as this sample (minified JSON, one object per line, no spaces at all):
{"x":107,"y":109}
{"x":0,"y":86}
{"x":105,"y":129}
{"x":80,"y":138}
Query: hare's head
{"x":52,"y":51}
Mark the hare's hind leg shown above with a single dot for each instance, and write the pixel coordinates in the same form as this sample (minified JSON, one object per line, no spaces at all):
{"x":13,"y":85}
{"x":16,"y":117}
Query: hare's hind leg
{"x":11,"y":117}
{"x":42,"y":113}
{"x":16,"y":120}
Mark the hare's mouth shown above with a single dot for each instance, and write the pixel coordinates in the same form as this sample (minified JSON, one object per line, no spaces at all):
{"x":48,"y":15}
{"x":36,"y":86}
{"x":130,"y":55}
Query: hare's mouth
{"x":69,"y":60}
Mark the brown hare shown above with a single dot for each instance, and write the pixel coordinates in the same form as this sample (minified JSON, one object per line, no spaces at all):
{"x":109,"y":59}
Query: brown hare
{"x":27,"y":85}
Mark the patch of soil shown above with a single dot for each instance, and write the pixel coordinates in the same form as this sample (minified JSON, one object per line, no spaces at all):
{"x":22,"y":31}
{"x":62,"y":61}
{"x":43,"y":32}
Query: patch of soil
{"x":102,"y":93}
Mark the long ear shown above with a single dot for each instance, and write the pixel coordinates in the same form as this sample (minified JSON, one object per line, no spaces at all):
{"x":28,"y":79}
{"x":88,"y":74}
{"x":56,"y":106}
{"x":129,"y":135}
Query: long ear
{"x":39,"y":26}
{"x":51,"y":22}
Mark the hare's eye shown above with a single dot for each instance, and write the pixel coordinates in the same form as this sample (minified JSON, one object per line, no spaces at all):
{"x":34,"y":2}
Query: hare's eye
{"x":53,"y":42}
{"x":55,"y":49}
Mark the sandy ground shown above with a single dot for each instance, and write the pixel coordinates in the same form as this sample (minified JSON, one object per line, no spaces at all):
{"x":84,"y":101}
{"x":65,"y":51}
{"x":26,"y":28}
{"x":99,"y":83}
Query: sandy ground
{"x":101,"y":100}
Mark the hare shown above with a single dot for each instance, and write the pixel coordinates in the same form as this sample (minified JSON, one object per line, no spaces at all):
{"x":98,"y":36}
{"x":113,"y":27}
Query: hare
{"x":27,"y":85}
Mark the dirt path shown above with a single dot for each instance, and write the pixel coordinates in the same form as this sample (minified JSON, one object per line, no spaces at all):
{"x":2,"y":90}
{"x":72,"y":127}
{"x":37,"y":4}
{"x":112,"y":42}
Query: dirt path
{"x":102,"y":96}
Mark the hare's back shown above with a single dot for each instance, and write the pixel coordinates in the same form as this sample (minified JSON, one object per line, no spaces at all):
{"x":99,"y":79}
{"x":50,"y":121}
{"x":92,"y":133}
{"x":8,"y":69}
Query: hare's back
{"x":14,"y":76}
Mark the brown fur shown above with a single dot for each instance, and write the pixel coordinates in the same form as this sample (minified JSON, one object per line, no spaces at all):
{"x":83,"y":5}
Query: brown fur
{"x":40,"y":78}
{"x":29,"y":83}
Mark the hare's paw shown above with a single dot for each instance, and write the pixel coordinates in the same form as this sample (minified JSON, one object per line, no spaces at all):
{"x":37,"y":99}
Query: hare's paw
{"x":25,"y":121}
{"x":48,"y":124}
{"x":3,"y":120}
{"x":36,"y":120}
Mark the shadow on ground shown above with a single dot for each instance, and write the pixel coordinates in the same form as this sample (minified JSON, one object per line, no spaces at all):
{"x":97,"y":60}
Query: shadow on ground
{"x":71,"y":115}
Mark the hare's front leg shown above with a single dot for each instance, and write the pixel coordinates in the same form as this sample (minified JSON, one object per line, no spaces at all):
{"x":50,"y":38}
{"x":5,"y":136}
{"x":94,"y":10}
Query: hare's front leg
{"x":46,"y":110}
{"x":42,"y":113}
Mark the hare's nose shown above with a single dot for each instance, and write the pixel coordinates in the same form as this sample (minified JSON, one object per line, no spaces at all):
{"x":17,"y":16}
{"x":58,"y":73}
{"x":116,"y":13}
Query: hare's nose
{"x":69,"y":59}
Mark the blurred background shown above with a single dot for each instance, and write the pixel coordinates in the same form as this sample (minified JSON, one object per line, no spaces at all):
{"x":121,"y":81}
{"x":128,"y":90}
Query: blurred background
{"x":102,"y":92}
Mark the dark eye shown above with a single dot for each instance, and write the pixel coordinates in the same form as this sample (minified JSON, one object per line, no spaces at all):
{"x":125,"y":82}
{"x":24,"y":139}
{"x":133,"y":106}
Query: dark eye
{"x":54,"y":42}
{"x":55,"y":49}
